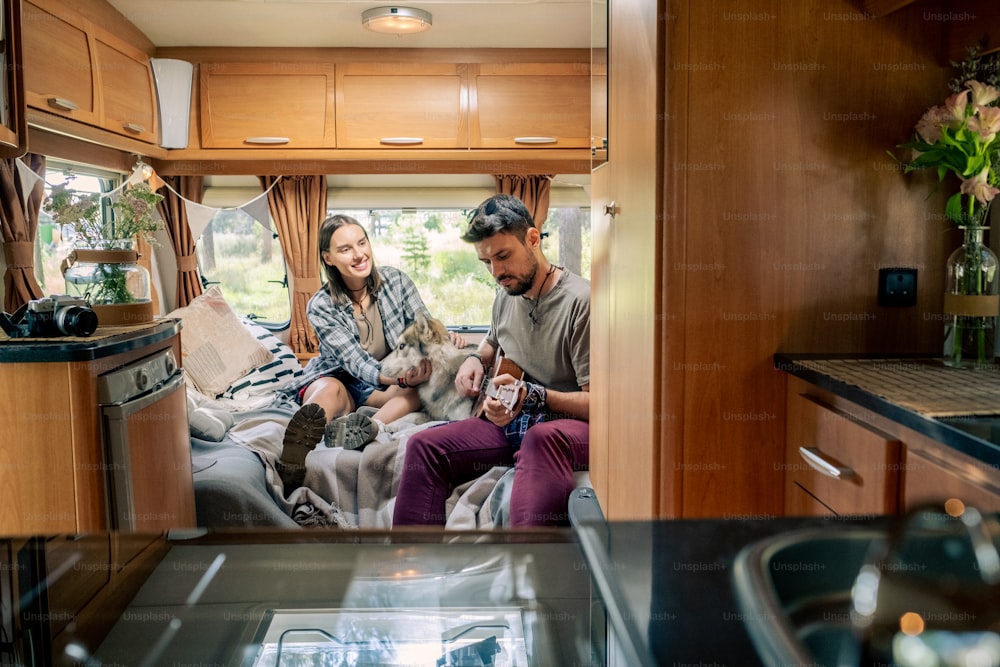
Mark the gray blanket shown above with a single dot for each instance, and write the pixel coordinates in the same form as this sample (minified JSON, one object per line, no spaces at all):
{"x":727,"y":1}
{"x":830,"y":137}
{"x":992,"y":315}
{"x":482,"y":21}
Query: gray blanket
{"x":342,"y":488}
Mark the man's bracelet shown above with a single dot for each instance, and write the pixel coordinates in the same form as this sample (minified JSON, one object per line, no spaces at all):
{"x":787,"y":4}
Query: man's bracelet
{"x":402,"y":382}
{"x":476,"y":355}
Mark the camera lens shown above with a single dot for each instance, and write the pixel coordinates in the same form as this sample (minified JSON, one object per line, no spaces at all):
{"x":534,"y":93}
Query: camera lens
{"x":76,"y":321}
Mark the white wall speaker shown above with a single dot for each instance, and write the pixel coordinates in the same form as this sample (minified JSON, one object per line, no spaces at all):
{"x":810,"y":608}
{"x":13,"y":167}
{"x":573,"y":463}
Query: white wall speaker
{"x":173,"y":92}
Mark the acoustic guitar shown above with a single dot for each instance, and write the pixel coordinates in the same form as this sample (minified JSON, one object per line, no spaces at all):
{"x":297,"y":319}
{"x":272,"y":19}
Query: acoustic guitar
{"x":507,"y":394}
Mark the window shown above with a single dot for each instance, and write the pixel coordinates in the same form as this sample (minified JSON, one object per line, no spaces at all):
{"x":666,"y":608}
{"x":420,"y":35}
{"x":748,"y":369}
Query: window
{"x":244,"y":258}
{"x":454,"y":284}
{"x":53,"y":242}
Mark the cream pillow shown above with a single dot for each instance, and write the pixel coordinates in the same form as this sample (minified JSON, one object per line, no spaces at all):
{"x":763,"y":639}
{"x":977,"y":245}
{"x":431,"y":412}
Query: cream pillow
{"x":216,"y":348}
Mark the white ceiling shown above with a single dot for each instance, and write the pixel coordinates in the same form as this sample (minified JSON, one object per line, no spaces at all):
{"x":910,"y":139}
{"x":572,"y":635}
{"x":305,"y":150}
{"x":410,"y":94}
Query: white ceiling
{"x":337,"y":23}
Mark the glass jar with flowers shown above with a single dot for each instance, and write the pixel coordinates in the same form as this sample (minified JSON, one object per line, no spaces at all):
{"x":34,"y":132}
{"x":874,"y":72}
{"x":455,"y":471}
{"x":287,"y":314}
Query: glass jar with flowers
{"x":960,"y":138}
{"x":103,"y":266}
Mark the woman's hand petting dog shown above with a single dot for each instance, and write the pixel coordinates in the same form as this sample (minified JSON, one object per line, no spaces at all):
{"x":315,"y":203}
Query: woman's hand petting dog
{"x":419,"y":374}
{"x":469,"y":378}
{"x":457,"y":339}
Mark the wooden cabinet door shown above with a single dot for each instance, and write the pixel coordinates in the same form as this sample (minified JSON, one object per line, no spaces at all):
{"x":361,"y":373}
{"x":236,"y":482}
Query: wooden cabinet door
{"x":58,"y":57}
{"x":932,"y":478}
{"x":402,"y":105}
{"x":837,"y":465}
{"x":13,"y":125}
{"x":525,"y":105}
{"x":126,"y":89}
{"x":267,"y":105}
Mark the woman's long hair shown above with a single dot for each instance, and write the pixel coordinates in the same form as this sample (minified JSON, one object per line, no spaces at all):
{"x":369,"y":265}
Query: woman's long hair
{"x":338,"y":289}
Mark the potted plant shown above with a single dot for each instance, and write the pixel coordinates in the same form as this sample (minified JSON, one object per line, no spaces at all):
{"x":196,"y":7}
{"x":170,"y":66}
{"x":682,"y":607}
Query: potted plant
{"x":103,"y":267}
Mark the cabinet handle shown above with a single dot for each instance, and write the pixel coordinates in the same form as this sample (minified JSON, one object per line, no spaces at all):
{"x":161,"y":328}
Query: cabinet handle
{"x":266,"y":140}
{"x":63,"y":104}
{"x":134,"y":127}
{"x":535,"y":140}
{"x":401,"y":141}
{"x":818,"y":461}
{"x":611,"y":208}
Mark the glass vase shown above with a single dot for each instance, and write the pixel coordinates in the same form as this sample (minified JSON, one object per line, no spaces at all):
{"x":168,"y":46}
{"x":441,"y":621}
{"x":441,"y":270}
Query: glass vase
{"x":107,"y":275}
{"x":971,"y":303}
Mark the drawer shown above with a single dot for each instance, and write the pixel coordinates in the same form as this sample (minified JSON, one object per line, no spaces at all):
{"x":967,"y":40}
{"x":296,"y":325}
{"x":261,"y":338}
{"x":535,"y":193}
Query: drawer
{"x":835,"y":464}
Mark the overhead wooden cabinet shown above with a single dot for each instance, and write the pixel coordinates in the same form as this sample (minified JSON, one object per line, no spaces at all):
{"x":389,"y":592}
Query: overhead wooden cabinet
{"x":75,"y":68}
{"x":402,"y":105}
{"x":126,"y":89}
{"x":13,"y":126}
{"x":267,"y":105}
{"x":531,"y":105}
{"x":58,"y":57}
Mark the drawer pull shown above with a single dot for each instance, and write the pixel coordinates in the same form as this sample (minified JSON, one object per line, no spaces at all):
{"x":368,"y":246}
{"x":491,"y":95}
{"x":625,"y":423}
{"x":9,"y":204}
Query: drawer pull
{"x":818,"y":461}
{"x":535,"y":140}
{"x":266,"y":140}
{"x":63,"y":104}
{"x":401,"y":141}
{"x":134,"y":127}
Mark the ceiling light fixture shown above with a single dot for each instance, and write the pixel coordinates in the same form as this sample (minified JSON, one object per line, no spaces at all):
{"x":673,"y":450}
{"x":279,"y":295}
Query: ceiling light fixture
{"x":396,"y":20}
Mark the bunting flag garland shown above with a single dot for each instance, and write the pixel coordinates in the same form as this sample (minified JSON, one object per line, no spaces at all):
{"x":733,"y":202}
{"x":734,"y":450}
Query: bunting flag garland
{"x":199,"y":215}
{"x":257,"y":208}
{"x":28,"y":176}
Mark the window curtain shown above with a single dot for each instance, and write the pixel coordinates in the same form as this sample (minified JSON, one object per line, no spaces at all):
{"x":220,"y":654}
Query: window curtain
{"x":174,"y":214}
{"x":18,"y":224}
{"x":298,"y":206}
{"x":532,"y":190}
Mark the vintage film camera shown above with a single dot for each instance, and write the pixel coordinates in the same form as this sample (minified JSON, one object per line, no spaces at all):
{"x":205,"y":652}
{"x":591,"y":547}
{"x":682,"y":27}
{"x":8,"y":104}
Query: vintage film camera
{"x":57,"y":315}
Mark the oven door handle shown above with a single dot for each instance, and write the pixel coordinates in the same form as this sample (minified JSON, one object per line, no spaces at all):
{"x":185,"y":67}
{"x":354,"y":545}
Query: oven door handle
{"x":134,"y":405}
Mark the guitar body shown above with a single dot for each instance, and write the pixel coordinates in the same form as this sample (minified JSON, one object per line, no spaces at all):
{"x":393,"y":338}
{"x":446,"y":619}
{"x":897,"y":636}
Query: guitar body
{"x":507,"y":394}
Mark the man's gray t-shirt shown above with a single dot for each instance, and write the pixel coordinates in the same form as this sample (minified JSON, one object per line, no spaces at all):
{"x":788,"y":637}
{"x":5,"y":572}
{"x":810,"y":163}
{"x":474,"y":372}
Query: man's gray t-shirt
{"x":554,"y":350}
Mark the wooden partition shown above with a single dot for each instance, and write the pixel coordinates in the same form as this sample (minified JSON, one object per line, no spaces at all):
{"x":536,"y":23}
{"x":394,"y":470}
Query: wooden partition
{"x":778,"y":203}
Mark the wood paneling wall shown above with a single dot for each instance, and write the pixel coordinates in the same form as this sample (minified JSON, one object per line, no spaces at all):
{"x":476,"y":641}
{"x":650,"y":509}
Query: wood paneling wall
{"x":780,"y":205}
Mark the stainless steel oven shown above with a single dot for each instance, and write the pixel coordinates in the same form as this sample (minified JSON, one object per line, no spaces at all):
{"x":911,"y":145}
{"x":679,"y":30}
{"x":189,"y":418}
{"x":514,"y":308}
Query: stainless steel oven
{"x":146,"y":445}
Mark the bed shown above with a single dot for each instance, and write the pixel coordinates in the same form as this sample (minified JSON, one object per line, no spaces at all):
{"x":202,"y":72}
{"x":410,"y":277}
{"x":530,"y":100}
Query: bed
{"x":234,"y":371}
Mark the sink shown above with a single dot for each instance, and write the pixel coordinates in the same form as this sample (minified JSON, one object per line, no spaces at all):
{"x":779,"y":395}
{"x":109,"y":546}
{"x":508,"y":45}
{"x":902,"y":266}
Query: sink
{"x":926,"y":591}
{"x":794,"y":594}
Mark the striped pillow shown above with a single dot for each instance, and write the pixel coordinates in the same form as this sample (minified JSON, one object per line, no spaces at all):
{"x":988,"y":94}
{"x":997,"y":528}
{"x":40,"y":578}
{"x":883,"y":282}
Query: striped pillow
{"x":270,"y":377}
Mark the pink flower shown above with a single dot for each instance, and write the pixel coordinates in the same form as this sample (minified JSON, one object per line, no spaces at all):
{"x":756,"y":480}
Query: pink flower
{"x":929,"y":126}
{"x":979,"y":188}
{"x":986,"y":122}
{"x":982,"y":94}
{"x":957,"y":104}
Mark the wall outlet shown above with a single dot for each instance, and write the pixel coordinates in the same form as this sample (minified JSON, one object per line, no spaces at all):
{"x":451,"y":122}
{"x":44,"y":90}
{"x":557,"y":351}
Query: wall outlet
{"x":897,"y":287}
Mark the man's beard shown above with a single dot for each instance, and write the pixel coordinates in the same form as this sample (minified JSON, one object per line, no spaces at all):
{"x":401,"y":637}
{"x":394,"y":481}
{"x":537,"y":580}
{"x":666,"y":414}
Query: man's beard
{"x":522,"y":285}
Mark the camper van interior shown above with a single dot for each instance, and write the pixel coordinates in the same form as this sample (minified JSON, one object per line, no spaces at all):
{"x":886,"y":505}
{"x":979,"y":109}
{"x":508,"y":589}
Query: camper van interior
{"x":776,"y":386}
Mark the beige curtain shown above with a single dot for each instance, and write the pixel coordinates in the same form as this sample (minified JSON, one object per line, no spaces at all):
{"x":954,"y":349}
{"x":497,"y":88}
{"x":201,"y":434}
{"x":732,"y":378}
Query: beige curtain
{"x":174,"y":215}
{"x":18,"y":224}
{"x":532,"y":190}
{"x":298,"y":206}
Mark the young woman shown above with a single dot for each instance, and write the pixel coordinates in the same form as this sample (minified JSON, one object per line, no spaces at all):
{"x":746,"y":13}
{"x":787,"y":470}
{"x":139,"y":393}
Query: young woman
{"x":358,"y":316}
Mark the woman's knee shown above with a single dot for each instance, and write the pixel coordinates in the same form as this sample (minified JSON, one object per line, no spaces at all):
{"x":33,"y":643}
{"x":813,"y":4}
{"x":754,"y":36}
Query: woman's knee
{"x":331,"y":394}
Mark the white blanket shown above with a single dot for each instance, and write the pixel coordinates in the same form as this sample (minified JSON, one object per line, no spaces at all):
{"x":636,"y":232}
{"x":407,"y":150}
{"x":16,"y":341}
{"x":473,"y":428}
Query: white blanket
{"x":352,"y":489}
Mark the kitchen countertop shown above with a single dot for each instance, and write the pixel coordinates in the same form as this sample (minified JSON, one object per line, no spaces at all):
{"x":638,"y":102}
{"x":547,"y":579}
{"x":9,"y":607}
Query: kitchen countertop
{"x":959,"y":408}
{"x":666,"y":586}
{"x":105,"y":342}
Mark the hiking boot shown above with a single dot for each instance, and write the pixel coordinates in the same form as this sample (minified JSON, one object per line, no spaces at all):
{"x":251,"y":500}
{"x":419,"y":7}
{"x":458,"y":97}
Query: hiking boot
{"x":303,"y":433}
{"x":352,"y":431}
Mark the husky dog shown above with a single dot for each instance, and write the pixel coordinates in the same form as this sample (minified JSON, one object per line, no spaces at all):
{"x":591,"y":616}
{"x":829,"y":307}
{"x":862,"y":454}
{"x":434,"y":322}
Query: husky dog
{"x":428,"y":338}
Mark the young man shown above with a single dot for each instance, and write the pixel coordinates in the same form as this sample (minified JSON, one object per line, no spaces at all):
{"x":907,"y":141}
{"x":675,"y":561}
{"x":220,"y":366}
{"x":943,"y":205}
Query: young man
{"x":541,"y":322}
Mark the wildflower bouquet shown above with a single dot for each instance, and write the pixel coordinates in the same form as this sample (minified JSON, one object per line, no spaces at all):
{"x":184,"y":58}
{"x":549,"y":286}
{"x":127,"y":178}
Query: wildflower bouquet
{"x":961,"y":138}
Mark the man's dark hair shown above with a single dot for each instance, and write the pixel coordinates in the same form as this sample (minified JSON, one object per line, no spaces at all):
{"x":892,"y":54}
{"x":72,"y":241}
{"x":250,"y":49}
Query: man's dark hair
{"x":499,"y":214}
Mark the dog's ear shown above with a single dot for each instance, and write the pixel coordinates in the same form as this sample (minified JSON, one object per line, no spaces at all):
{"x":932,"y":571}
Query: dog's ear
{"x":431,"y":330}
